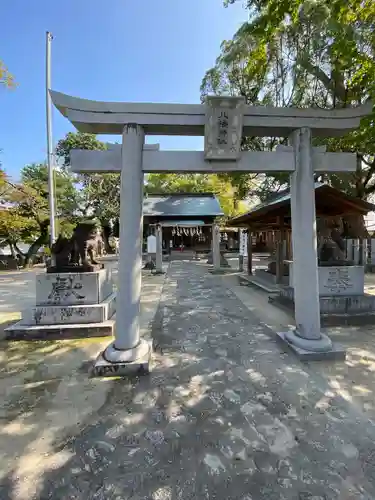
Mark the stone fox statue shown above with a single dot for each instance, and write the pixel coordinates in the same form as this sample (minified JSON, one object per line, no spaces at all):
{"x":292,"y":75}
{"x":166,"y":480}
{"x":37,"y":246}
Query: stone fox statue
{"x":80,"y":250}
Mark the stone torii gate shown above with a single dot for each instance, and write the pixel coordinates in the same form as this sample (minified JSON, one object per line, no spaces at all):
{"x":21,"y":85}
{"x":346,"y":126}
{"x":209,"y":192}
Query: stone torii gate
{"x":223,"y":121}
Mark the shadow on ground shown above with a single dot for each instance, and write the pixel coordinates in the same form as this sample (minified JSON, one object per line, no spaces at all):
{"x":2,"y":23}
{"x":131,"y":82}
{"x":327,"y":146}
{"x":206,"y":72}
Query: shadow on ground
{"x":45,"y":392}
{"x":224,"y":415}
{"x":354,"y":379}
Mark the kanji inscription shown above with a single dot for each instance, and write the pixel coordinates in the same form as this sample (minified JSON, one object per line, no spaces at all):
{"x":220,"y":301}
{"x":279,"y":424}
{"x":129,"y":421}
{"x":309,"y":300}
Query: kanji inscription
{"x":243,"y":243}
{"x":338,"y":281}
{"x":223,"y":128}
{"x":65,"y":287}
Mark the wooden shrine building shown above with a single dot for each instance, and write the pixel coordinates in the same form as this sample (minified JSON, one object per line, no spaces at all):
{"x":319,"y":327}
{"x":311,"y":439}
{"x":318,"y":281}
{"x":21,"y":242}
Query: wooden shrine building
{"x":186,"y":219}
{"x":270,"y":223}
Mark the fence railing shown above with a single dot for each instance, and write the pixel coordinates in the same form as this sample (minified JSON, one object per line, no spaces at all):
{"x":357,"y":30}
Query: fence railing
{"x":360,"y":251}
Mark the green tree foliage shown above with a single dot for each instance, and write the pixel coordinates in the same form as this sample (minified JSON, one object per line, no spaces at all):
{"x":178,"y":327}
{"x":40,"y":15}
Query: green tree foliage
{"x":26,"y":214}
{"x":100,"y":193}
{"x":30,"y":196}
{"x":34,"y":179}
{"x":77,"y":140}
{"x":3,"y":185}
{"x":177,"y":183}
{"x":13,"y":226}
{"x":197,"y":183}
{"x":316,"y":53}
{"x":6,"y":79}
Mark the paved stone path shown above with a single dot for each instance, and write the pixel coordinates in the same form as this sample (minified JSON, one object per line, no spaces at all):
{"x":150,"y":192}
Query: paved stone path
{"x":225,"y":414}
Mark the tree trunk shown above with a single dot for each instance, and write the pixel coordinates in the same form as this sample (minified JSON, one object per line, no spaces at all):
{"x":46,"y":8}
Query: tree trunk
{"x":106,"y":233}
{"x":116,"y":228}
{"x":18,"y":250}
{"x":40,"y":241}
{"x":12,"y":250}
{"x":20,"y":255}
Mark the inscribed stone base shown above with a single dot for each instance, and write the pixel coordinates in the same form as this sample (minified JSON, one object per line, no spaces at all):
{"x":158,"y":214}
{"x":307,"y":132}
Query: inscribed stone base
{"x":337,"y":281}
{"x":59,"y":332}
{"x":337,"y":353}
{"x":73,"y":314}
{"x":347,"y":319}
{"x":104,"y":368}
{"x":335,"y":311}
{"x":73,"y":288}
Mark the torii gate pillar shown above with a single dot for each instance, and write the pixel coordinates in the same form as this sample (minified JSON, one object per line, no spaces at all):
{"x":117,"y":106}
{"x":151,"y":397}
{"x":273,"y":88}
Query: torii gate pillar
{"x":128,"y":348}
{"x":307,"y":338}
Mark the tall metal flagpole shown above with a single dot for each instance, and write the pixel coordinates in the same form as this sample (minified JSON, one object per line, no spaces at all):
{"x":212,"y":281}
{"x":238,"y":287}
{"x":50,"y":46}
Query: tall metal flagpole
{"x":50,"y":155}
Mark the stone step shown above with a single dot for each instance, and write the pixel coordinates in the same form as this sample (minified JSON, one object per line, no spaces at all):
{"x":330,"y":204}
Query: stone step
{"x":267,"y":277}
{"x":70,"y":314}
{"x":245,"y":279}
{"x":329,"y":319}
{"x":59,"y":332}
{"x":339,"y":304}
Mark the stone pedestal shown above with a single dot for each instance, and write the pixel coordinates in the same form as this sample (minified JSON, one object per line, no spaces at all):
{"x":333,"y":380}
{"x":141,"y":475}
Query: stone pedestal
{"x":342,"y":281}
{"x":224,"y":264}
{"x":113,"y":363}
{"x":69,"y":305}
{"x":342,"y":298}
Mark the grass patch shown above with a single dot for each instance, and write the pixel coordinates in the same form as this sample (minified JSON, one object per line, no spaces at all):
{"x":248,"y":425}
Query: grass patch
{"x":34,"y":348}
{"x":8,"y":319}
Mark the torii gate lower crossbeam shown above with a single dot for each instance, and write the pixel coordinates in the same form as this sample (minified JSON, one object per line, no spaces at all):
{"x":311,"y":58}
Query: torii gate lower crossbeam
{"x":300,"y":159}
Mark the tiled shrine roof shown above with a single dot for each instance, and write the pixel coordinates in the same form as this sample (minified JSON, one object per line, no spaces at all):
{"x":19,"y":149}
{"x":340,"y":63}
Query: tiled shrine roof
{"x":182,"y":205}
{"x":329,"y":202}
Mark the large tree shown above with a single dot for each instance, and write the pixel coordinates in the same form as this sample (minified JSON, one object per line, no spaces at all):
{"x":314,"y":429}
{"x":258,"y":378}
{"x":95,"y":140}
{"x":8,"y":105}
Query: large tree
{"x":13,"y":226}
{"x":77,"y":140}
{"x":100,"y":193}
{"x":27,"y":200}
{"x":314,"y":53}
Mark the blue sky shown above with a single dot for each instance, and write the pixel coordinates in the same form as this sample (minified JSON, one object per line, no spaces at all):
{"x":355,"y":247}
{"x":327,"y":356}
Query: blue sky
{"x":118,"y":50}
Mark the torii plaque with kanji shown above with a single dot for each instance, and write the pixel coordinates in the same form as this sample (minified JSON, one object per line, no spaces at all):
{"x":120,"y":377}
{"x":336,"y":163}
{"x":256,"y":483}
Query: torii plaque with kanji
{"x":223,"y":128}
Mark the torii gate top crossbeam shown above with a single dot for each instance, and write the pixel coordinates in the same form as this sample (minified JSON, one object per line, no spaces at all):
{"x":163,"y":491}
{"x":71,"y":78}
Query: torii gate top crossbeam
{"x":189,"y":119}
